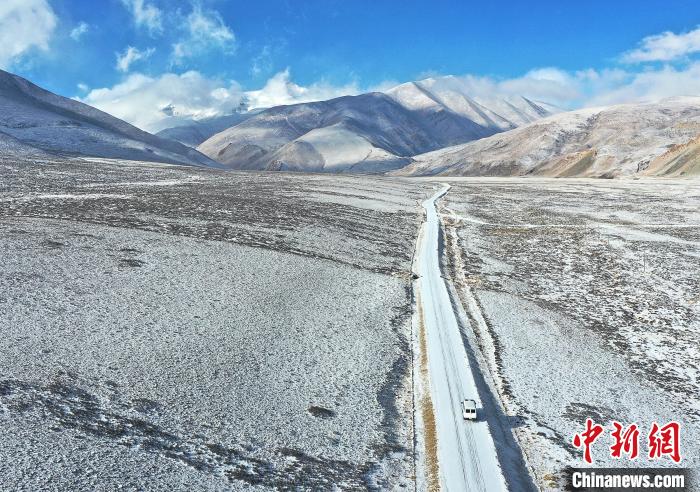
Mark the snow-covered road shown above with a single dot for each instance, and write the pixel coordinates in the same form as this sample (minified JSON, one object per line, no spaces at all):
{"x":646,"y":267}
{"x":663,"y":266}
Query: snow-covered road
{"x":466,"y":452}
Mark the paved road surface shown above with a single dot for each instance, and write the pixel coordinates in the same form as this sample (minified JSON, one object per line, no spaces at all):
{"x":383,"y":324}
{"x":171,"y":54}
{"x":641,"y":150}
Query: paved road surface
{"x":466,"y":451}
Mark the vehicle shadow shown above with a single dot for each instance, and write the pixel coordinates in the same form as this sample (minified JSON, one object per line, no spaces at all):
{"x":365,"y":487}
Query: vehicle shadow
{"x":514,"y":421}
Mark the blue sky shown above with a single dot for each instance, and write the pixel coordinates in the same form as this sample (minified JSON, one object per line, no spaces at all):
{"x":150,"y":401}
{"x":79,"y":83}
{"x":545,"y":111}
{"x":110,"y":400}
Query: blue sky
{"x":281,"y":51}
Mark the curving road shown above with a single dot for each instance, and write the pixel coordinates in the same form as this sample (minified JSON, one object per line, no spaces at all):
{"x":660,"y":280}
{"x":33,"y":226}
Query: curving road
{"x":466,"y":452}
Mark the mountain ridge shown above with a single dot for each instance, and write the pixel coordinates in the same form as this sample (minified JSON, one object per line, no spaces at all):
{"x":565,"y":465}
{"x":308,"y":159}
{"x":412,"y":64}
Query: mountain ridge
{"x":608,"y":141}
{"x":388,"y":128}
{"x":56,"y":125}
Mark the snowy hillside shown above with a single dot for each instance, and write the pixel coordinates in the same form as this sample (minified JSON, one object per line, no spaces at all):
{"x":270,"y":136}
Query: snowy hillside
{"x":450,"y":93}
{"x":334,"y":148}
{"x":194,"y":132}
{"x":37,"y":119}
{"x":648,"y":138}
{"x":372,"y":132}
{"x":10,"y":146}
{"x":679,"y":160}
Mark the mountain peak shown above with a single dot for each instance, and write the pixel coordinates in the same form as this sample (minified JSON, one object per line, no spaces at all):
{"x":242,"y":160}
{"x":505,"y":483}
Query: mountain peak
{"x":450,"y":93}
{"x":372,"y":132}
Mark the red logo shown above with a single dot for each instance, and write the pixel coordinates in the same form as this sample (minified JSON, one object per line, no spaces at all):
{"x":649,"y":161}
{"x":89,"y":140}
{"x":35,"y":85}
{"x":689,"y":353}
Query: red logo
{"x":665,"y":441}
{"x":627,"y":441}
{"x":587,"y":438}
{"x":662,"y":441}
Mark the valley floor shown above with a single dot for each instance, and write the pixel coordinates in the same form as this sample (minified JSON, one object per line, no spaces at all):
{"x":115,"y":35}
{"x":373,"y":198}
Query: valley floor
{"x":171,"y":328}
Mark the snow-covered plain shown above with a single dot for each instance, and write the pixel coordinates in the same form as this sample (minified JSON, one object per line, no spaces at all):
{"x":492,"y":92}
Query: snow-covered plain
{"x":173,"y":328}
{"x":589,"y":295}
{"x":212,"y":331}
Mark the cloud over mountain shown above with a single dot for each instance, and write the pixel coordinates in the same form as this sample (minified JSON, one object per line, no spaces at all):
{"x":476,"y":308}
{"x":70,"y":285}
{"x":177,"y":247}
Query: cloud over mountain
{"x":140,"y":99}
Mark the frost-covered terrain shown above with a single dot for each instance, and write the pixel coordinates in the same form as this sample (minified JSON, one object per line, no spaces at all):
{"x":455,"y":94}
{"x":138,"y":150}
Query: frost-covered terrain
{"x":649,"y":138}
{"x":166,"y":327}
{"x":170,"y":328}
{"x":378,"y":131}
{"x":585,"y":299}
{"x":34,"y":121}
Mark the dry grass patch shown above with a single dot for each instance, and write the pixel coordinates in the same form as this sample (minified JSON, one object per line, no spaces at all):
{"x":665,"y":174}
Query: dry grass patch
{"x":432,"y":472}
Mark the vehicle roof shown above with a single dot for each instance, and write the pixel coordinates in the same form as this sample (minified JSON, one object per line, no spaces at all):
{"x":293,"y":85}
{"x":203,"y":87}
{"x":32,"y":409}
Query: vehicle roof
{"x":469,"y":403}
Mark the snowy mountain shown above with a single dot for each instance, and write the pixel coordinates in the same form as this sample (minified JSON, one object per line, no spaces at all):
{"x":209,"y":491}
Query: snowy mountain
{"x":193,"y":132}
{"x":373,"y":132}
{"x":648,"y":138}
{"x":498,"y":112}
{"x":34,"y":121}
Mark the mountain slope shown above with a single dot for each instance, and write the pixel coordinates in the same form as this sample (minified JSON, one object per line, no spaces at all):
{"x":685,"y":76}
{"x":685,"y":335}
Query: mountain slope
{"x":11,"y":147}
{"x":194,"y":132}
{"x":39,"y":119}
{"x":679,"y":160}
{"x":372,"y":132}
{"x":378,"y":124}
{"x":497,"y":111}
{"x":335,"y":148}
{"x":648,"y":138}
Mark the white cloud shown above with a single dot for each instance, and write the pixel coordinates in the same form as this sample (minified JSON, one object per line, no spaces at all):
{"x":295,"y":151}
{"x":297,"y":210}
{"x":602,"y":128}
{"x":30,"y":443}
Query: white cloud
{"x":141,"y":100}
{"x":83,"y":87}
{"x":665,"y":47}
{"x":205,"y":30}
{"x":615,"y":85}
{"x":154,"y":103}
{"x":131,"y":55}
{"x":145,"y":15}
{"x":280,"y":89}
{"x":650,"y":85}
{"x":78,"y":31}
{"x":262,"y":62}
{"x":585,"y":88}
{"x":24,"y":25}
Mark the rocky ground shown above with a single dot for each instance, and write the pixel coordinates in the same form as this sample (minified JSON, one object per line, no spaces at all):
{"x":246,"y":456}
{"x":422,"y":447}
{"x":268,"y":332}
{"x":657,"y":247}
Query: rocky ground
{"x":591,"y":299}
{"x":170,"y":328}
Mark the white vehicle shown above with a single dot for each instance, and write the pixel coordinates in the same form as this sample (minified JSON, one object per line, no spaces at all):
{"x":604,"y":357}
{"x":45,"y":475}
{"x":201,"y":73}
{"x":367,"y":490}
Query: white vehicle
{"x":469,"y":410}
